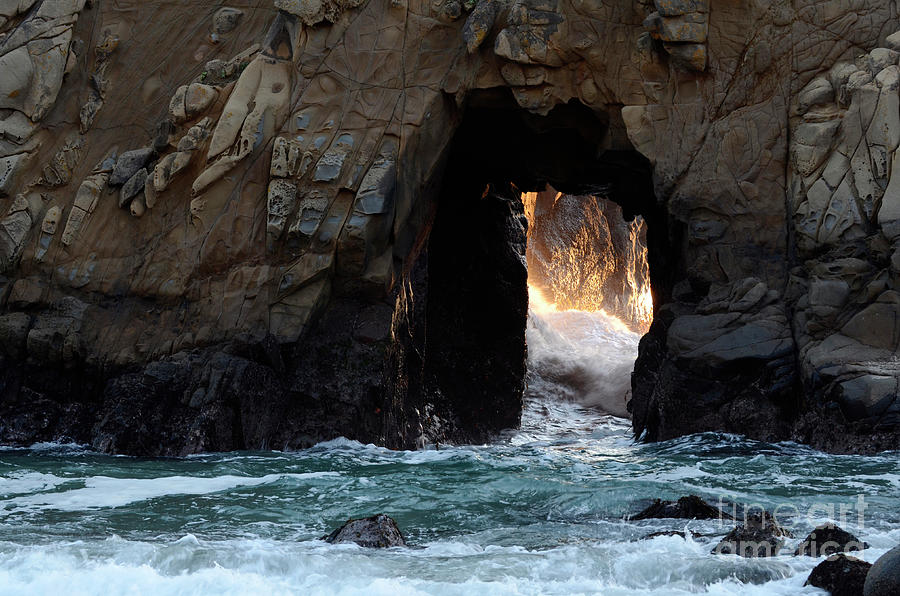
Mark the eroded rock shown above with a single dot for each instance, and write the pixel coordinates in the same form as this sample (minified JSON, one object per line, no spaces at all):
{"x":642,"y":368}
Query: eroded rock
{"x":690,"y":507}
{"x":759,"y":536}
{"x":378,"y":531}
{"x":840,"y":575}
{"x":828,"y":540}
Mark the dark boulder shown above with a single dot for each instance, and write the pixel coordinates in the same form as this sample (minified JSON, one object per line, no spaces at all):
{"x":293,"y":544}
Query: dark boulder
{"x":760,"y":536}
{"x":378,"y":531}
{"x":884,"y":577}
{"x":840,"y":575}
{"x":828,"y":539}
{"x":691,"y":507}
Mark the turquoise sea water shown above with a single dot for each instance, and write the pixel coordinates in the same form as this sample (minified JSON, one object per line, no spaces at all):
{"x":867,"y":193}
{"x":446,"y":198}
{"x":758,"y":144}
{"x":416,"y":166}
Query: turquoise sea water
{"x":542,"y":511}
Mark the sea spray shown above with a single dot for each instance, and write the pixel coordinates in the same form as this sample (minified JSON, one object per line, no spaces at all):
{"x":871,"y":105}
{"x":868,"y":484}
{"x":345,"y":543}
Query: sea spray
{"x":580,"y":356}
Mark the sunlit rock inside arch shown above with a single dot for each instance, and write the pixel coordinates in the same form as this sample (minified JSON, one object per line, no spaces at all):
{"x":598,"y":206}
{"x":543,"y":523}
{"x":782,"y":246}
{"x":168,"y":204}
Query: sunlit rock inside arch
{"x":583,"y":255}
{"x":589,"y":299}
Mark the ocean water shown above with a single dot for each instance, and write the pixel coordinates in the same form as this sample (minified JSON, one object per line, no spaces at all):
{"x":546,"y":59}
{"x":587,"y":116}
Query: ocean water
{"x":544,"y":510}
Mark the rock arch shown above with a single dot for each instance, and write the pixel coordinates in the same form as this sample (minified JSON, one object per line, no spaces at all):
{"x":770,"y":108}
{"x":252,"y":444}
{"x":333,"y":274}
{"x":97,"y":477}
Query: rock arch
{"x":276,"y":171}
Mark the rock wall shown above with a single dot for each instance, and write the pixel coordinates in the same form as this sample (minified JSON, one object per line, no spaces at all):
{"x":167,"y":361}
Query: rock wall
{"x":216,"y":220}
{"x":583,"y":255}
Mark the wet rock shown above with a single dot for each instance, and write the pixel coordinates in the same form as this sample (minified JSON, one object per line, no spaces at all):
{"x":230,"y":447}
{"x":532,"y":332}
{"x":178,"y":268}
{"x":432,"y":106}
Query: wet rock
{"x":378,"y":531}
{"x":840,"y":575}
{"x":884,"y":576}
{"x":679,"y":533}
{"x":690,"y":507}
{"x":730,"y":196}
{"x":760,"y":536}
{"x":829,"y":539}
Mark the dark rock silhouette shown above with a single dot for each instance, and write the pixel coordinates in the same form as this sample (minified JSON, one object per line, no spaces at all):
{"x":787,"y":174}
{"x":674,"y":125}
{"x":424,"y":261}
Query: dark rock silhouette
{"x":828,"y":539}
{"x":378,"y":531}
{"x":759,"y":536}
{"x":841,"y":576}
{"x":690,"y":507}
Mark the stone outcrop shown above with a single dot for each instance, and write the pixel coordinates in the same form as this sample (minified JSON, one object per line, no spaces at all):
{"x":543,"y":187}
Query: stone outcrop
{"x":758,"y":536}
{"x":378,"y":531}
{"x":262,"y":225}
{"x":690,"y":507}
{"x":582,"y":254}
{"x":828,"y":539}
{"x":840,"y":575}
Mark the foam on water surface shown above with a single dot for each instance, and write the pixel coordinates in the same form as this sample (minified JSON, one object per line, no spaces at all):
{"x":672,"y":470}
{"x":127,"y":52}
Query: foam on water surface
{"x":542,"y":511}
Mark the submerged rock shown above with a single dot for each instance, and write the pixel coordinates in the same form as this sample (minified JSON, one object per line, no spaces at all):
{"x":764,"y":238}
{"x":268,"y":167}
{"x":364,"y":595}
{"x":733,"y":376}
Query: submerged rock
{"x":690,"y":507}
{"x":828,"y":539}
{"x":884,"y":576}
{"x":840,"y":575}
{"x":760,"y":536}
{"x":378,"y":531}
{"x":680,"y":533}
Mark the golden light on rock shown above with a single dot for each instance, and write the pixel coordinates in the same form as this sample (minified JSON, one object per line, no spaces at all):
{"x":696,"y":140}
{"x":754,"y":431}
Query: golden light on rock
{"x":582,"y":255}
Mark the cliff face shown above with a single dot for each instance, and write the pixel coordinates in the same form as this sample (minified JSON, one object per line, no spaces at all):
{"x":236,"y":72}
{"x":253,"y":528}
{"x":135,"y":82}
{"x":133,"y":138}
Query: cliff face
{"x":223,"y":226}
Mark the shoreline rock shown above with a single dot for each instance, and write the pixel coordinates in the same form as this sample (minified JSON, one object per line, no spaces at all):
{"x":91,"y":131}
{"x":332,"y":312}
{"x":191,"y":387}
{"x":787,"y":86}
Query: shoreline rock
{"x":378,"y":531}
{"x":840,"y":575}
{"x":884,"y":576}
{"x":689,"y":507}
{"x":759,"y":536}
{"x":829,"y":539}
{"x":287,"y":198}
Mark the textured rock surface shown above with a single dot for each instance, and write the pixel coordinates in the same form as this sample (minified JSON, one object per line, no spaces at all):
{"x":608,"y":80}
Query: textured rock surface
{"x":276,"y":278}
{"x":584,"y":255}
{"x":690,"y":507}
{"x":378,"y":531}
{"x":829,"y":539}
{"x":884,"y":576}
{"x":840,"y":575}
{"x":759,"y":536}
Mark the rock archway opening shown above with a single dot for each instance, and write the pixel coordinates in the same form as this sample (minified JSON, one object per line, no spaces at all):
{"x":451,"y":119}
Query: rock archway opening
{"x":468,"y":364}
{"x":590,"y":299}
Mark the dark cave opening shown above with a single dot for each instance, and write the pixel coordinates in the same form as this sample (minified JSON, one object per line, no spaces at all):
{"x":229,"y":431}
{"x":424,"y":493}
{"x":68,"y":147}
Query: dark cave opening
{"x":473,"y":352}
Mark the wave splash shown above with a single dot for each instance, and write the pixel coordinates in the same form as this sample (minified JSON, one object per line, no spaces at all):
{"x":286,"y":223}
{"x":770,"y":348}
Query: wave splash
{"x":579,"y":356}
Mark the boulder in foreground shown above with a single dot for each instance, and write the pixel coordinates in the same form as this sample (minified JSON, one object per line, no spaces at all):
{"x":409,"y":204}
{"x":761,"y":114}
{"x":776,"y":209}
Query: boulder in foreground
{"x":884,"y":577}
{"x":378,"y":531}
{"x":840,"y":575}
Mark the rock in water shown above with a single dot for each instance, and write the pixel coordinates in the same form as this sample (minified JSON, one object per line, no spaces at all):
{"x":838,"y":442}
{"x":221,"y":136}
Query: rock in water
{"x":690,"y":507}
{"x":884,"y":577}
{"x":840,"y":575}
{"x":378,"y":531}
{"x":828,"y":539}
{"x":760,"y":536}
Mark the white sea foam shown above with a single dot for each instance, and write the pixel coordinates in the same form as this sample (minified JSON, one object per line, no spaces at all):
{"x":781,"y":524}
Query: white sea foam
{"x":585,"y":357}
{"x":17,"y":483}
{"x":106,"y":492}
{"x":665,"y":565}
{"x":541,"y":512}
